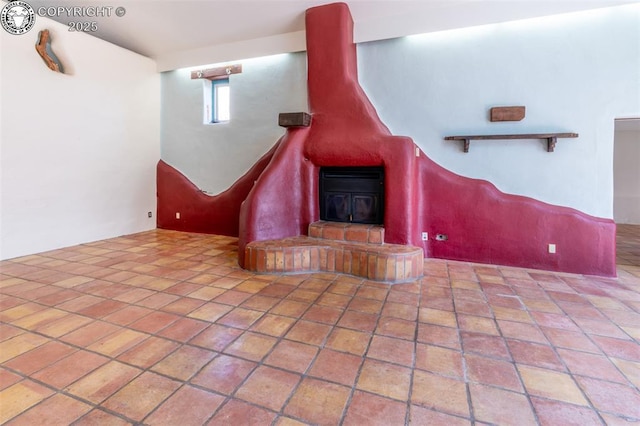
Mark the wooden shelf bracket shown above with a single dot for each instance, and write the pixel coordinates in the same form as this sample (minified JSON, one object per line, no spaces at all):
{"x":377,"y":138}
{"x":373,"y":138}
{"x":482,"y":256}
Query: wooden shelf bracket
{"x":552,"y":138}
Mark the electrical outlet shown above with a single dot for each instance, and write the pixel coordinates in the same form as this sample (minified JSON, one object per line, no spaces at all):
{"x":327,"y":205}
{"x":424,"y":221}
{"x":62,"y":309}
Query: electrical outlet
{"x":552,"y":248}
{"x":149,"y":214}
{"x":425,"y":236}
{"x":417,"y":152}
{"x":177,"y":215}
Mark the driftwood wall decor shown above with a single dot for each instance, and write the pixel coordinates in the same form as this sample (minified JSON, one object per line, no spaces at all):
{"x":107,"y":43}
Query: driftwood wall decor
{"x":43,"y":47}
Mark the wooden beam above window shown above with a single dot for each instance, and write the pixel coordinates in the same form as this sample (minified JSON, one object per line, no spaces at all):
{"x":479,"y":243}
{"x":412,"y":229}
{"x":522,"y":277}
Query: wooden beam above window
{"x":217,"y":73}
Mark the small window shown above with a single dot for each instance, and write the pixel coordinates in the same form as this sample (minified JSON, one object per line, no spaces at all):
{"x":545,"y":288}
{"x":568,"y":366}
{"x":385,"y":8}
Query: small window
{"x":217,"y":92}
{"x":220,"y":101}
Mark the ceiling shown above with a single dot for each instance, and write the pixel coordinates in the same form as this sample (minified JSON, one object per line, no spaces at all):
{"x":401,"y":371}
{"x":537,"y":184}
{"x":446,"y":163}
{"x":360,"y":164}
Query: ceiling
{"x":182,"y":33}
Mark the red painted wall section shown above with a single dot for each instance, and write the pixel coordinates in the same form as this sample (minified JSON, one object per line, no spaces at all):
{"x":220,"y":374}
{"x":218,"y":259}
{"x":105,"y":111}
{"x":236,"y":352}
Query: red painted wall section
{"x":200,"y":212}
{"x":482,"y":224}
{"x":485,"y":225}
{"x":280,"y":204}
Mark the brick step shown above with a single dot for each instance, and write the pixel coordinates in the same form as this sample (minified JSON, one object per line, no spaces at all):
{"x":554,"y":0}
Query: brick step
{"x":391,"y":263}
{"x":354,"y":232}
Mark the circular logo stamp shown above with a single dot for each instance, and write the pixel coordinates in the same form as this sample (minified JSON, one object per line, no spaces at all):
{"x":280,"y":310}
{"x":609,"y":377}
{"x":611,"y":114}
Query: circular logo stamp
{"x":17,"y":17}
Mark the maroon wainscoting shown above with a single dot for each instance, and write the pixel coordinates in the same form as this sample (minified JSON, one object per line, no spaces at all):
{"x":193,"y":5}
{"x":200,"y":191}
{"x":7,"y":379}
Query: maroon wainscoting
{"x":481,"y":223}
{"x":200,"y":212}
{"x":485,"y":225}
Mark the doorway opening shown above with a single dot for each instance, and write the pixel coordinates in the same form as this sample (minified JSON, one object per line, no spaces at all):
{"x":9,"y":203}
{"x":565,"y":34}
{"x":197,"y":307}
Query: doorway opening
{"x":626,"y":192}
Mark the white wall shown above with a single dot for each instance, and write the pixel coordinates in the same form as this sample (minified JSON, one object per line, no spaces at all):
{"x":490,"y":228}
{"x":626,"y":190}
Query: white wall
{"x":214,"y":156}
{"x":574,"y":73}
{"x":626,"y":168}
{"x":78,"y":150}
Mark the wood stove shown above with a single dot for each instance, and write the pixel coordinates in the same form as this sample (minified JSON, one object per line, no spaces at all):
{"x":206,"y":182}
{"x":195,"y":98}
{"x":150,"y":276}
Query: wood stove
{"x":352,"y":194}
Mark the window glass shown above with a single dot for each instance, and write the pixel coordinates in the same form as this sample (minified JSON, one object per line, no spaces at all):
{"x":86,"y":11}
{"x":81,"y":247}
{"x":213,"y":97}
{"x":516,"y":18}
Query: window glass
{"x":221,"y":101}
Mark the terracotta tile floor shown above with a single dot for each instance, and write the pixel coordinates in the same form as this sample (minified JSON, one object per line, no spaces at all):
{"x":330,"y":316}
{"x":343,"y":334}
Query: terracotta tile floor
{"x":164,"y":328}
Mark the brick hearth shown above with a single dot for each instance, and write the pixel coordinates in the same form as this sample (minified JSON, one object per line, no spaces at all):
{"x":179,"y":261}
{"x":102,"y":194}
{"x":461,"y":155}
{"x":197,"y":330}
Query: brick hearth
{"x":338,"y":247}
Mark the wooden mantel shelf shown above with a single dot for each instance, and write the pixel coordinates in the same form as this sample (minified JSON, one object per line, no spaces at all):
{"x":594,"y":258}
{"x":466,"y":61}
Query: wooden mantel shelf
{"x":550,"y":137}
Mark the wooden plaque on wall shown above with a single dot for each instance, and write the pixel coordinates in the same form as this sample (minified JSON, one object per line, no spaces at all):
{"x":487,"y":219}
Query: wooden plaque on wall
{"x":294,"y":119}
{"x":510,"y":113}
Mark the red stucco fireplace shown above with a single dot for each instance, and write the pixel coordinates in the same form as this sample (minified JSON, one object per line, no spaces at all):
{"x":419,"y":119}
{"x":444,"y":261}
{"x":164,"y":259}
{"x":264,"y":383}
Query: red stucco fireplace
{"x":481,"y":223}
